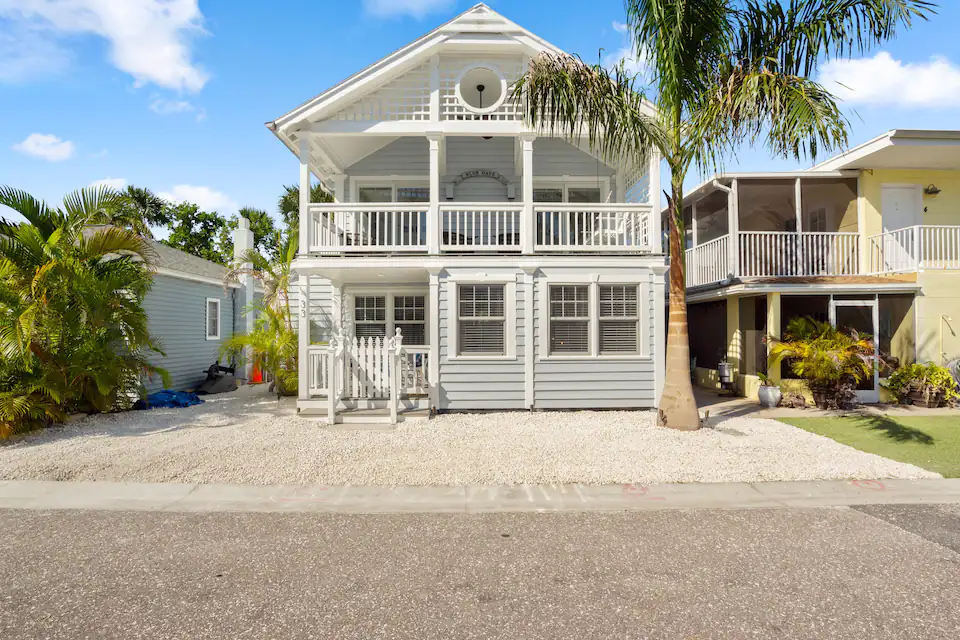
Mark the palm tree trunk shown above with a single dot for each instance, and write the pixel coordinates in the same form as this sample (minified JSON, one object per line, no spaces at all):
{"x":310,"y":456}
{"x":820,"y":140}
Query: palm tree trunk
{"x":678,"y":407}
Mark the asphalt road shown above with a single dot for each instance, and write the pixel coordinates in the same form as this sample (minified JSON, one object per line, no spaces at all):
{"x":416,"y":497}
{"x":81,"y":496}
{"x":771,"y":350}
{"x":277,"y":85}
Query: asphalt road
{"x":865,"y":573}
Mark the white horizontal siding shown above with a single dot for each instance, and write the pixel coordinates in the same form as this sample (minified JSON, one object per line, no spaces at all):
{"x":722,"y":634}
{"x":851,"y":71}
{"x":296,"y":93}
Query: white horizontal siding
{"x":557,"y":157}
{"x":321,"y":307}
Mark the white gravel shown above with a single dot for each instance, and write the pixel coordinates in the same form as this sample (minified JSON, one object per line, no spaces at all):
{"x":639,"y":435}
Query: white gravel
{"x":247,"y":437}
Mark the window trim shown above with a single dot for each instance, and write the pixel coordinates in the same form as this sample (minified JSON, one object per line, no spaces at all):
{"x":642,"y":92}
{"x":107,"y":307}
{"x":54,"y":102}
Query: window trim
{"x":350,"y":308}
{"x":644,"y":284}
{"x":509,"y":318}
{"x":635,"y":318}
{"x":206,"y":315}
{"x":565,"y":183}
{"x":578,"y":319}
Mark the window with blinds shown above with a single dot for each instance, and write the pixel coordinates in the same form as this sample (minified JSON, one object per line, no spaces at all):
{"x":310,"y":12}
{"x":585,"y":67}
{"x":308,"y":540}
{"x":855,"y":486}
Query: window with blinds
{"x":618,"y":319}
{"x":570,"y":319}
{"x":409,"y":315}
{"x":370,"y":316}
{"x":481,"y":320}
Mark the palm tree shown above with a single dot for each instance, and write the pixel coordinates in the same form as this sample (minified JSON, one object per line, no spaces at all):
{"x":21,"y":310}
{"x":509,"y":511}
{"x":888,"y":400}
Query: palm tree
{"x":135,"y":208}
{"x":73,"y":331}
{"x":724,"y":73}
{"x":273,"y":275}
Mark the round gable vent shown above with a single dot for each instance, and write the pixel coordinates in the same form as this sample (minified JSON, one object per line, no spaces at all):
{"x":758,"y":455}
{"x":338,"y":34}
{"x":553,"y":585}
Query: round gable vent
{"x":481,"y":88}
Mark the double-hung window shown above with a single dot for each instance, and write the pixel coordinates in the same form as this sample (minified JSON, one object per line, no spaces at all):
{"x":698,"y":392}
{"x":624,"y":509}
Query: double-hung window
{"x":409,"y":315}
{"x":619,"y":319}
{"x":213,"y":319}
{"x":481,"y":320}
{"x":370,"y":316}
{"x":570,"y":319}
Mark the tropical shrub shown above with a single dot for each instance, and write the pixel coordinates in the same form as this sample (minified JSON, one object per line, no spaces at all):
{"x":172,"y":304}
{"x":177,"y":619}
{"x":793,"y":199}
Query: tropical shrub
{"x":73,"y":331}
{"x":832,"y":361}
{"x":930,"y":382}
{"x":273,"y":345}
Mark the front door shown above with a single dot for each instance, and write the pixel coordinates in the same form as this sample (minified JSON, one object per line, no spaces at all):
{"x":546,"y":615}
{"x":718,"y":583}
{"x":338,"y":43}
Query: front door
{"x":862,"y":316}
{"x":901,"y":208}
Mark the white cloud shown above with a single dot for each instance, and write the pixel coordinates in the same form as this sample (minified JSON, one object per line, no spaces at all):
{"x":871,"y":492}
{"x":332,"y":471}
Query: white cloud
{"x":884,"y":81}
{"x":415,"y":8}
{"x":625,"y":53}
{"x":113,"y":183}
{"x":204,"y":197}
{"x":46,"y":146}
{"x":149,"y":39}
{"x":167,"y":107}
{"x":27,"y":53}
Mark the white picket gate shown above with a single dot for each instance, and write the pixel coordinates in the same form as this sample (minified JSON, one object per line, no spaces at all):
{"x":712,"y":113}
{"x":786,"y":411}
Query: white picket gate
{"x":364,"y":368}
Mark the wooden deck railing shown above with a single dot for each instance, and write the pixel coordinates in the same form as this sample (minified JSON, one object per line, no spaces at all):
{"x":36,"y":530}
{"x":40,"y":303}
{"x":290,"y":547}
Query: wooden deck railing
{"x":480,"y":227}
{"x":709,"y":262}
{"x":592,"y":227}
{"x":777,"y":254}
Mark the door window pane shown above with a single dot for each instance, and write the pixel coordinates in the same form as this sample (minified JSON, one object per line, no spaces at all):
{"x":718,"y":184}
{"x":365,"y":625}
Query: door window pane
{"x":582,"y":194}
{"x":548,"y":195}
{"x":376,"y":194}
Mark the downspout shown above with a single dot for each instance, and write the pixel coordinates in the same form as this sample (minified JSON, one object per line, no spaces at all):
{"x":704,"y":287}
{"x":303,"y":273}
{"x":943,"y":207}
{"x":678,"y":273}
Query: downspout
{"x":733,"y":218}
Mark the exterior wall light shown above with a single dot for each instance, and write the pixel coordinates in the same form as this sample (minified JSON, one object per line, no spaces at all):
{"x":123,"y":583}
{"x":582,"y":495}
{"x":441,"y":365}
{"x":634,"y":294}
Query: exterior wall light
{"x":931,"y":190}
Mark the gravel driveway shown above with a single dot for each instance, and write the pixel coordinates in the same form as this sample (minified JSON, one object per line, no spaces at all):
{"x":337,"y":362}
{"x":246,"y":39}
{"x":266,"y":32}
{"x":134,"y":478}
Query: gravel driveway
{"x":247,"y":437}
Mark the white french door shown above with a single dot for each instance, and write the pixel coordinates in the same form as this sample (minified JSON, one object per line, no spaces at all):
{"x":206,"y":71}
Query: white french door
{"x":864,"y":317}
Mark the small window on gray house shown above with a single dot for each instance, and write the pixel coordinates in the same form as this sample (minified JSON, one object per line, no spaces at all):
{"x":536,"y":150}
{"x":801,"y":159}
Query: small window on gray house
{"x":409,"y":315}
{"x":481,"y":320}
{"x":370,"y":316}
{"x":570,"y":319}
{"x":213,"y":319}
{"x":618,"y":319}
{"x":413,"y":194}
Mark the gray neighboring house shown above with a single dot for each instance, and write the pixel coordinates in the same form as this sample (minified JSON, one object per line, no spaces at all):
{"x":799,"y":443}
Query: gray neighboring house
{"x":191,"y":313}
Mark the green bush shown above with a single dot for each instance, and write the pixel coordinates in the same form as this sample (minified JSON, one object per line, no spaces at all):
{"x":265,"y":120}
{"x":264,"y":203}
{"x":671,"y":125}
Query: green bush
{"x":934,"y":382}
{"x":73,"y":331}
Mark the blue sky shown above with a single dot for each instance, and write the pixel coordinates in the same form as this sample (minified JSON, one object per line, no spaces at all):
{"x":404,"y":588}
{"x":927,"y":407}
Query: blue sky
{"x":172,"y":94}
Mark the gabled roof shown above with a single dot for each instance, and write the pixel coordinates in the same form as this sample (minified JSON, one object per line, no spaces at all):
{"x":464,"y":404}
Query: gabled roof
{"x":479,"y":19}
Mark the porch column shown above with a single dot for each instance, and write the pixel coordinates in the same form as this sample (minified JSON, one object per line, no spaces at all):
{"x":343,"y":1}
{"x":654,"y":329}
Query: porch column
{"x":733,"y":226}
{"x":773,"y":331}
{"x":433,"y":215}
{"x":734,"y":339}
{"x":304,"y":193}
{"x":798,"y":204}
{"x":339,"y":187}
{"x":529,"y":231}
{"x":653,"y":195}
{"x":303,"y":333}
{"x":433,"y":317}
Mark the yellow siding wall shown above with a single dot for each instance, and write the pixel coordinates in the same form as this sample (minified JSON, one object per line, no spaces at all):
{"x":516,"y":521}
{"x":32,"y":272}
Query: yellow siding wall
{"x":941,"y":209}
{"x":940,"y":297}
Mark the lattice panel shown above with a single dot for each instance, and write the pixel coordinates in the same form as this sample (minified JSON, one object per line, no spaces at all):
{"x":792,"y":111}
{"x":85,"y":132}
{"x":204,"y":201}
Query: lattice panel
{"x":406,"y":98}
{"x":450,"y":106}
{"x":638,"y":188}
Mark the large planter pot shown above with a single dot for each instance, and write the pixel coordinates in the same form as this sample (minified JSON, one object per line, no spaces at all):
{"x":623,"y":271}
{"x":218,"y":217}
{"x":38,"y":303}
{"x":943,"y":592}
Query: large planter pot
{"x":769,"y":396}
{"x":931,"y":401}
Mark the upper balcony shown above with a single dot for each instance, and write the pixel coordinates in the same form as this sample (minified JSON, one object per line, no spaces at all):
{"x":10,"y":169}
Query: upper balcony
{"x":466,"y":228}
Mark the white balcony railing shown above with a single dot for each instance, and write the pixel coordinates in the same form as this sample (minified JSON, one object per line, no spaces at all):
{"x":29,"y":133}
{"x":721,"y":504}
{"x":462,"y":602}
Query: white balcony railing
{"x":915,"y":248}
{"x":365,"y":228}
{"x":480,"y":227}
{"x":777,"y":254}
{"x":592,"y":227}
{"x":709,"y":262}
{"x":499,"y":227}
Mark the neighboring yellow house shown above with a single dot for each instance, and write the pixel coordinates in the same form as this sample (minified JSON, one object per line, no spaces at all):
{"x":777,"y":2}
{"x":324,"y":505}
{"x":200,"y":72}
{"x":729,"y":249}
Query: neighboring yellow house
{"x":869,"y":240}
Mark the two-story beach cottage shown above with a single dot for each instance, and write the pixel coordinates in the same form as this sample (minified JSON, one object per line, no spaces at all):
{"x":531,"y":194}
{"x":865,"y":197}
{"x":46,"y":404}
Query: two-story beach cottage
{"x":869,"y":240}
{"x":522,"y":271}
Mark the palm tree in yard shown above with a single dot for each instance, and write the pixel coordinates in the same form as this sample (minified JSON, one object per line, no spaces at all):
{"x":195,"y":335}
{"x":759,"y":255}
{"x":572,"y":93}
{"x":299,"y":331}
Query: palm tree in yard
{"x":721,"y":73}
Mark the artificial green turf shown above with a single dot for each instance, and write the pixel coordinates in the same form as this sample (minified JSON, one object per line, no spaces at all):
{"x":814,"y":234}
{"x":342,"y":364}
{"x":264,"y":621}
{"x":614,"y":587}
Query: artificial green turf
{"x":931,"y":442}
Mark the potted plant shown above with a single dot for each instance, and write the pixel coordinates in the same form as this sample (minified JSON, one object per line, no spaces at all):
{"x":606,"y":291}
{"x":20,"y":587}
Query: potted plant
{"x":769,"y":394}
{"x":833,"y":362}
{"x":926,"y":385}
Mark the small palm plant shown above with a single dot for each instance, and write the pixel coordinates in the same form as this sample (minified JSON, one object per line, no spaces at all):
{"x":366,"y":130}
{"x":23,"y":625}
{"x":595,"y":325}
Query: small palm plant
{"x":272,"y":347}
{"x":832,"y":361}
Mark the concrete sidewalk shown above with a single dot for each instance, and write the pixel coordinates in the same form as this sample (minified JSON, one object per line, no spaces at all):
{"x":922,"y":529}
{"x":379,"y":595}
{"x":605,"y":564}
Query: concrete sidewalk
{"x":478,"y":499}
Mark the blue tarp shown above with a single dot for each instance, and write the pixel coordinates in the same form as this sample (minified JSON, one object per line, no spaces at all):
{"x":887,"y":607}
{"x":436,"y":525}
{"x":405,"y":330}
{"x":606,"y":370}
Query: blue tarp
{"x":167,"y":399}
